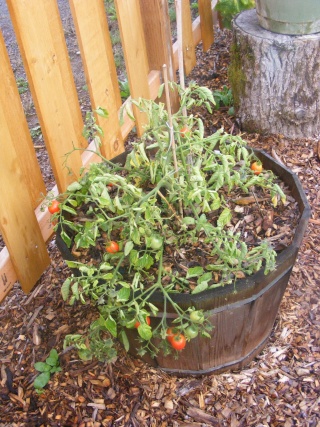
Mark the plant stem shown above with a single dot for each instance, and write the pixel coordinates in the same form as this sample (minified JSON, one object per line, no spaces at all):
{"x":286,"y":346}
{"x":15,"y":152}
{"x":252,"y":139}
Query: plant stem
{"x":170,"y":206}
{"x":168,"y":102}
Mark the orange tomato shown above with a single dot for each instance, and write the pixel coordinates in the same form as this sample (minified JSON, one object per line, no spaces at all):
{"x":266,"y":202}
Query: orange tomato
{"x":256,"y":167}
{"x":54,"y":207}
{"x":112,"y":247}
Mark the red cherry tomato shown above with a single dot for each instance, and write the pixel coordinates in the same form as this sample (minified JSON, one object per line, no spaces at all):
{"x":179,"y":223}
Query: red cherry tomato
{"x":256,"y":167}
{"x":54,"y":207}
{"x":170,"y":334}
{"x":137,"y":324}
{"x":112,"y":247}
{"x":178,"y":342}
{"x":184,"y":131}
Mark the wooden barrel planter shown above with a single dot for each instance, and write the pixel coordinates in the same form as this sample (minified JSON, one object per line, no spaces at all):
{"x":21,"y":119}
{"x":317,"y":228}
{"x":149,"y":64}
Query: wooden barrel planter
{"x":242,"y":314}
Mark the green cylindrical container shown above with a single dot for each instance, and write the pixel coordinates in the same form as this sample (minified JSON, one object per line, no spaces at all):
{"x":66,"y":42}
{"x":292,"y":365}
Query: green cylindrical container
{"x":295,"y":17}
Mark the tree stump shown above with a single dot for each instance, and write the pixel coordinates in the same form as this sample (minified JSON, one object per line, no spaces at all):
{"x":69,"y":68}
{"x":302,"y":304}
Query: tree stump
{"x":275,"y":79}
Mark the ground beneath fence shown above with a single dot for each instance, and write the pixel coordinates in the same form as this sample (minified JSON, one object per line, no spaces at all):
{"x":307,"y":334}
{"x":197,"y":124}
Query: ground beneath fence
{"x":281,"y":387}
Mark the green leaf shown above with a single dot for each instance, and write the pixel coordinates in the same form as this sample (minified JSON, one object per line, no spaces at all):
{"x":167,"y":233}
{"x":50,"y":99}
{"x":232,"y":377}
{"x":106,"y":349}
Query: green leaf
{"x":74,"y":186}
{"x":200,"y":288}
{"x":111,"y":325}
{"x":65,"y":289}
{"x":128,"y":247}
{"x":145,"y":331}
{"x":55,"y":369}
{"x":205,"y":278}
{"x":205,"y":334}
{"x":189,"y":220}
{"x":135,"y":236}
{"x":42,"y":380}
{"x":194,"y":272}
{"x":124,"y":340}
{"x":42,"y":367}
{"x":153,"y":308}
{"x":102,"y":112}
{"x":224,"y":218}
{"x":123,"y":295}
{"x":66,"y":238}
{"x":75,"y":290}
{"x":53,"y":358}
{"x":69,"y":209}
{"x":85,"y":354}
{"x":160,"y":91}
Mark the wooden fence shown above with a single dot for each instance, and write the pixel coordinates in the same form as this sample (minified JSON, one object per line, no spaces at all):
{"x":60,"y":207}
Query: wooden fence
{"x":147,"y":45}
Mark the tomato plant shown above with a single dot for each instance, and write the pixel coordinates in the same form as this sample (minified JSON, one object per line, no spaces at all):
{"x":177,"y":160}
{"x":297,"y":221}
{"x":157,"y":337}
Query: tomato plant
{"x":112,"y":247}
{"x":256,"y":167}
{"x":178,"y":342}
{"x":54,"y":207}
{"x":159,"y":214}
{"x":137,"y":324}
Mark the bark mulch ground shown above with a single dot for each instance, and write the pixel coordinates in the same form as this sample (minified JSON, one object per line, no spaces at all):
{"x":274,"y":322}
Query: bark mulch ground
{"x":281,"y":387}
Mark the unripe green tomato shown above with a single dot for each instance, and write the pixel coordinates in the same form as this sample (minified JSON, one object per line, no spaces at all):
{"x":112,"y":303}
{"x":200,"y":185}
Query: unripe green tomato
{"x":197,"y":316}
{"x":191,"y":332}
{"x":155,"y":241}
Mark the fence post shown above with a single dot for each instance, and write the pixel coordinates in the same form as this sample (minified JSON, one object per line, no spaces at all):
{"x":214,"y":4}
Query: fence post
{"x":17,"y":122}
{"x":156,"y":25}
{"x":18,"y":224}
{"x":188,"y":45}
{"x":206,"y":21}
{"x":134,"y":49}
{"x":96,"y":50}
{"x":43,"y":48}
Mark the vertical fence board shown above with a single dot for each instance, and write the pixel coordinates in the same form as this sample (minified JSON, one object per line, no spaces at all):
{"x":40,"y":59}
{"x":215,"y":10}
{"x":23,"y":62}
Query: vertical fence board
{"x":188,"y":45}
{"x":156,"y":24}
{"x":16,"y":121}
{"x":101,"y":74}
{"x":134,"y":49}
{"x":18,"y":224}
{"x":40,"y":36}
{"x":206,"y":22}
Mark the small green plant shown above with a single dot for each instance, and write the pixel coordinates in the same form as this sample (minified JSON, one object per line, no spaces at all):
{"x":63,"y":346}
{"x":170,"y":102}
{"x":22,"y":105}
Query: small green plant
{"x":228,"y":9}
{"x":35,"y":132}
{"x":224,"y":98}
{"x":47,"y":368}
{"x":110,"y":9}
{"x":163,"y":202}
{"x":23,"y":85}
